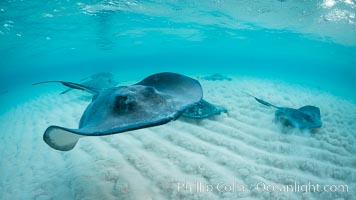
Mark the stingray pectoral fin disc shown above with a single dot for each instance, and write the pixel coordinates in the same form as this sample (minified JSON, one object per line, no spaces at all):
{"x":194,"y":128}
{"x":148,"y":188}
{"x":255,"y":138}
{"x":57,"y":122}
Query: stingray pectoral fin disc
{"x":61,"y":139}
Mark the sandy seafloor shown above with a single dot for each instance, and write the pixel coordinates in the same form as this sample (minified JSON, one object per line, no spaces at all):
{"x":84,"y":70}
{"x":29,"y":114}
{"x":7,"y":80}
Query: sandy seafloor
{"x":244,"y":147}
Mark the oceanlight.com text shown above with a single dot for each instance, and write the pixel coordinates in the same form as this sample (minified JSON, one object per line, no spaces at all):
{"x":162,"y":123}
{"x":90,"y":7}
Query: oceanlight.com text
{"x":301,"y":188}
{"x":225,"y":187}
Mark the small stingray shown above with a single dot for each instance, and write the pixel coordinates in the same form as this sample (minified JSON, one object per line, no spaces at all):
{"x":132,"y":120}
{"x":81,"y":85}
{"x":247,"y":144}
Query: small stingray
{"x":306,"y":117}
{"x":203,"y":109}
{"x":101,"y":80}
{"x":216,"y":77}
{"x":107,"y":75}
{"x":156,"y":100}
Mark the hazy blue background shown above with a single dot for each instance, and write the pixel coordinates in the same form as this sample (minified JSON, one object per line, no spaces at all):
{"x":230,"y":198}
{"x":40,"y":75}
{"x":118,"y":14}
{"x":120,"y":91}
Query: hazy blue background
{"x":307,"y":42}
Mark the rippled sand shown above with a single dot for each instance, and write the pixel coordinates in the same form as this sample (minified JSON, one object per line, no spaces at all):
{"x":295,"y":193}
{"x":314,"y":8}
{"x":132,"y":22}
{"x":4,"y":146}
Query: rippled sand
{"x":244,"y":147}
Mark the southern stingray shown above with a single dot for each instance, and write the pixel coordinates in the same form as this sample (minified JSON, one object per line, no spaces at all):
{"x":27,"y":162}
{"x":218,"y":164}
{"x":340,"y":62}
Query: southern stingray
{"x":199,"y":110}
{"x":216,"y":77}
{"x":203,"y":109}
{"x":306,"y":117}
{"x":100,"y":80}
{"x":156,"y":100}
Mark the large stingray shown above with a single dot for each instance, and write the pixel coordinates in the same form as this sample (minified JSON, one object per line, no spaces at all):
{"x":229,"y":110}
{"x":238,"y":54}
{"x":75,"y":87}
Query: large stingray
{"x":306,"y":117}
{"x":156,"y":100}
{"x":203,"y":109}
{"x":200,"y":110}
{"x":100,"y":80}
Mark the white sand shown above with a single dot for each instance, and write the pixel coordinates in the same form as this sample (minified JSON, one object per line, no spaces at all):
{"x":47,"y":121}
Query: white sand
{"x":244,"y":147}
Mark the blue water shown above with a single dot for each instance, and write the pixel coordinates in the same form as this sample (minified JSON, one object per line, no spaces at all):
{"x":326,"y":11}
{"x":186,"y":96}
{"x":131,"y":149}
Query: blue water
{"x":312,"y":43}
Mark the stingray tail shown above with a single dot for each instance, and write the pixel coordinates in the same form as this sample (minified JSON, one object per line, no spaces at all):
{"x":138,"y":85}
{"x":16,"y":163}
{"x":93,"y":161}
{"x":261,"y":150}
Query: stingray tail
{"x":67,"y":90}
{"x":60,"y":138}
{"x":72,"y":86}
{"x":262,"y":101}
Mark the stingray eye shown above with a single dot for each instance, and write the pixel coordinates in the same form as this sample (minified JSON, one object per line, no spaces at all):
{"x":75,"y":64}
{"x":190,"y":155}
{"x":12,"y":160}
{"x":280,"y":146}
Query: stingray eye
{"x":148,"y":91}
{"x":308,"y":118}
{"x":123,"y":103}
